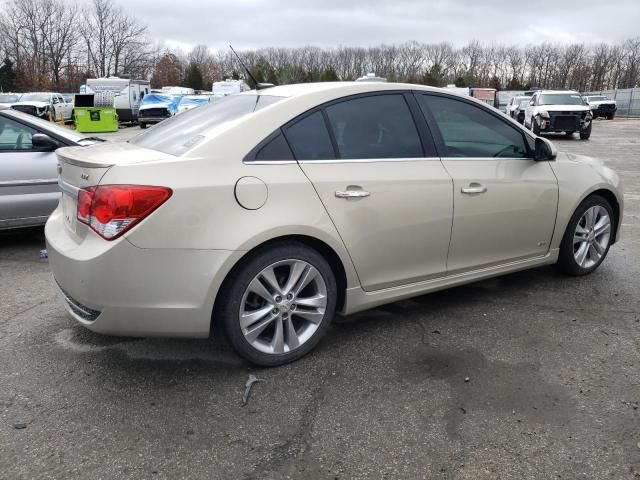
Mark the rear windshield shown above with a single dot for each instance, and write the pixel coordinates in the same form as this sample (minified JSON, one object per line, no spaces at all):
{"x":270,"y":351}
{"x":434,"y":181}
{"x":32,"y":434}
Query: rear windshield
{"x":178,"y":134}
{"x":560,"y":99}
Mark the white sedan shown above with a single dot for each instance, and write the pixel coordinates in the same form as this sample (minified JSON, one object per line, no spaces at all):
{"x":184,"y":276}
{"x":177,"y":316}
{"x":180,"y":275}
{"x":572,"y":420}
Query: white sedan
{"x":271,"y":210}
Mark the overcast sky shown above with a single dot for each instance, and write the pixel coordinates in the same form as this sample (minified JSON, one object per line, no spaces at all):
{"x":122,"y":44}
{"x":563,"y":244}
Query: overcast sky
{"x":260,"y":23}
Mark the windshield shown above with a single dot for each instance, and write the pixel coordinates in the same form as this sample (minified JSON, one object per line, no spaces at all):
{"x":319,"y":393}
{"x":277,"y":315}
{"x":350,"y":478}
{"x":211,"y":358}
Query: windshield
{"x":560,"y":99}
{"x":523,"y":103}
{"x":9,"y":98}
{"x":35,"y":97}
{"x":178,"y":134}
{"x":597,"y":99}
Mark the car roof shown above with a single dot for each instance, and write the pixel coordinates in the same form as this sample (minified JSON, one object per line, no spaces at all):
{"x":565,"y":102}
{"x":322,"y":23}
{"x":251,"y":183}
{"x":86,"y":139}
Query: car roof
{"x":571,"y":92}
{"x":299,"y":89}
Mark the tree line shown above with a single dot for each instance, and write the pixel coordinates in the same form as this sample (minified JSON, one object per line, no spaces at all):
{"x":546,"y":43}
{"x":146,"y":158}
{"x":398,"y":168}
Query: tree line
{"x":55,"y":44}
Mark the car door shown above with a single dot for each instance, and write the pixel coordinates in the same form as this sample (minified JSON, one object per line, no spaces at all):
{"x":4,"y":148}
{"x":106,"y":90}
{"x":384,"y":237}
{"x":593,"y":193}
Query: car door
{"x":528,"y":112}
{"x":505,"y":202}
{"x":378,"y":176}
{"x":58,"y":107}
{"x":28,"y":177}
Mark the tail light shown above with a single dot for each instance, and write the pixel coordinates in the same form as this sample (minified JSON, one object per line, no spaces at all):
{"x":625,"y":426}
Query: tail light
{"x":111,"y":210}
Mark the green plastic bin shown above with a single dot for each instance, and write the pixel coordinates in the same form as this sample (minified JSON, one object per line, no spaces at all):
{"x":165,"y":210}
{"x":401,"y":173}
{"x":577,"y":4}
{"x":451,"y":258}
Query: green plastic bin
{"x":90,"y":119}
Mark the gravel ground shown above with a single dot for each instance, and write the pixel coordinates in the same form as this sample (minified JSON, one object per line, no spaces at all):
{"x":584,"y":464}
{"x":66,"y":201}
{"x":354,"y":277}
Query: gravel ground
{"x":552,"y":365}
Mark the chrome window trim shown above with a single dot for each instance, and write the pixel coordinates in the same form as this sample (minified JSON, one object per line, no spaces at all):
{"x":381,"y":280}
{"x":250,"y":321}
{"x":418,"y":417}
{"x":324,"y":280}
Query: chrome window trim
{"x":370,"y":160}
{"x":68,"y":188}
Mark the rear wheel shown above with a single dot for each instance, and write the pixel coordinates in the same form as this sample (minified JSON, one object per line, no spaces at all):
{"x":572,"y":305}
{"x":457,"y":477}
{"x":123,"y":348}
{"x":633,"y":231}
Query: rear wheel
{"x":569,"y":134}
{"x":279,"y":304}
{"x":143,"y":125}
{"x":611,"y":116}
{"x":588,"y":237}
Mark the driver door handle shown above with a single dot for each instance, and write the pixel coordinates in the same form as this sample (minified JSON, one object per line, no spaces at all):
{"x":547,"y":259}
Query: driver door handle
{"x":352,"y":193}
{"x":473,"y":188}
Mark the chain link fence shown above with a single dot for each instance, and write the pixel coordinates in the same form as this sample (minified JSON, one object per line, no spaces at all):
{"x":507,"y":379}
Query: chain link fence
{"x":627,"y":99}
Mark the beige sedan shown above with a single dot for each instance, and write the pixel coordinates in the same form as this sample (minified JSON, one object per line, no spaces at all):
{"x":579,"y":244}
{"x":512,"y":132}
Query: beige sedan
{"x":270,"y":211}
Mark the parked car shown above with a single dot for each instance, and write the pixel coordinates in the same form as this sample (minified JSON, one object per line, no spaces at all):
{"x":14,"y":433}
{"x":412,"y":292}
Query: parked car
{"x":270,"y":210}
{"x":157,"y":107}
{"x":45,"y":105}
{"x":602,"y":106}
{"x":558,"y":111}
{"x":187,"y":102}
{"x":28,"y":167}
{"x":8,"y":99}
{"x":514,"y":106}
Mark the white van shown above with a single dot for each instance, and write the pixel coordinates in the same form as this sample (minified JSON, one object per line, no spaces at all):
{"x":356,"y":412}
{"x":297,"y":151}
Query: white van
{"x":127,"y":94}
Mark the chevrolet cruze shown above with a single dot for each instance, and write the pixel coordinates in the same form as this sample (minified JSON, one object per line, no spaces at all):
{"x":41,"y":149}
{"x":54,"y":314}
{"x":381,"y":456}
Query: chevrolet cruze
{"x":270,"y":211}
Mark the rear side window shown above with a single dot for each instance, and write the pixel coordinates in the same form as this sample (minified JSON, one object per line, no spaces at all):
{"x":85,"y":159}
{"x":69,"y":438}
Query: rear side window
{"x":309,"y":138}
{"x":379,"y":126}
{"x":276,"y":149}
{"x":470,"y":131}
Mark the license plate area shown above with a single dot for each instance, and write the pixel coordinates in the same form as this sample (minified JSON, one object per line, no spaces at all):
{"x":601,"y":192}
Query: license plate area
{"x":69,"y":211}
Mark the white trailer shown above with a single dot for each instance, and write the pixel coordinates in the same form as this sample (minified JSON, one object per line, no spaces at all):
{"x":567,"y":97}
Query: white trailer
{"x":127,"y":94}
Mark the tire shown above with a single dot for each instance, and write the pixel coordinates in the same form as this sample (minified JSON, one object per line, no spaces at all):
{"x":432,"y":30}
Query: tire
{"x":238,"y":297}
{"x":569,"y":134}
{"x":585,"y":134}
{"x":570,"y":247}
{"x":143,"y":125}
{"x":611,"y":116}
{"x":534,"y":127}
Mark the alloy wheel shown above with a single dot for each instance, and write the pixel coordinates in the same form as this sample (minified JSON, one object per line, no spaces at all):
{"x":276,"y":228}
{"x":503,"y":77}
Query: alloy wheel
{"x":283,"y":306}
{"x":591,"y":237}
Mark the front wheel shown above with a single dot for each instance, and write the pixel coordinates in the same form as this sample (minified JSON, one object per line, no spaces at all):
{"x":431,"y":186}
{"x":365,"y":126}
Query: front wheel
{"x":143,"y":125}
{"x":535,"y":128}
{"x":588,"y":237}
{"x":585,"y":134}
{"x":278,"y":305}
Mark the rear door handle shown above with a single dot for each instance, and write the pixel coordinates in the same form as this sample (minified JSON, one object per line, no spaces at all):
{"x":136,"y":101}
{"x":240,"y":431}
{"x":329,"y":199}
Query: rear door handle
{"x":352,"y":193}
{"x":474,"y":188}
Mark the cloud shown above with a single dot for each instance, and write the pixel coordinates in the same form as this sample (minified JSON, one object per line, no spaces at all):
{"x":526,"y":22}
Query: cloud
{"x":326,"y":23}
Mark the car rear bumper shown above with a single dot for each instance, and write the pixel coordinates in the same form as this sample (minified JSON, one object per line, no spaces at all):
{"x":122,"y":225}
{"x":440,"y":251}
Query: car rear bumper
{"x":117,"y":288}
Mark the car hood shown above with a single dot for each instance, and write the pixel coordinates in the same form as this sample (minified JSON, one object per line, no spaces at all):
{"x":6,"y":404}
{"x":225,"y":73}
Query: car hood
{"x":154,"y":105}
{"x":602,"y":102}
{"x":564,"y":108}
{"x":580,"y":159}
{"x":32,"y":104}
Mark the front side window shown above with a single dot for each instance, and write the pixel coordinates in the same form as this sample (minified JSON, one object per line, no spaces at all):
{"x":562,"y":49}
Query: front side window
{"x":309,"y":138}
{"x":469,"y":131}
{"x":378,"y":126}
{"x":14,"y":136}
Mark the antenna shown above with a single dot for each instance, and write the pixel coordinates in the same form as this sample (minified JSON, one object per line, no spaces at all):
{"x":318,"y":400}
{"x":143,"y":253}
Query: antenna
{"x":259,"y":86}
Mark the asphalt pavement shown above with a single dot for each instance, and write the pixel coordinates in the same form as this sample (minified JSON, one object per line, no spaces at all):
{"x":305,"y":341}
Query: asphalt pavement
{"x":529,"y":376}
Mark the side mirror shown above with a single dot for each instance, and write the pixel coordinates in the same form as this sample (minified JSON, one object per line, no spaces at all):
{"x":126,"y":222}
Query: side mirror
{"x":44,"y":142}
{"x":545,"y":150}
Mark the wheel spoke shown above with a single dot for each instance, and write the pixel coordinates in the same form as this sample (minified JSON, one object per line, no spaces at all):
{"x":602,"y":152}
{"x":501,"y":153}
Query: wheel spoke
{"x":292,"y":336}
{"x":308,"y":276}
{"x":579,"y":238}
{"x":297,"y":269}
{"x":278,"y":338}
{"x":259,"y":289}
{"x":581,"y":254}
{"x":253,"y":333}
{"x":270,"y":277}
{"x":602,"y":228}
{"x":581,"y":230}
{"x":317,"y":301}
{"x":591,"y":217}
{"x":249,"y":318}
{"x":593,"y":253}
{"x":598,"y":248}
{"x":313,"y":317}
